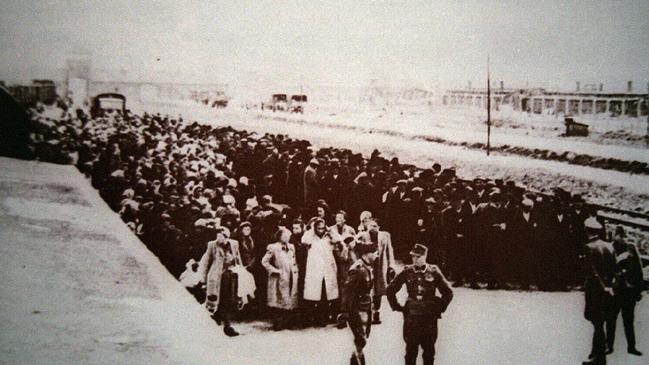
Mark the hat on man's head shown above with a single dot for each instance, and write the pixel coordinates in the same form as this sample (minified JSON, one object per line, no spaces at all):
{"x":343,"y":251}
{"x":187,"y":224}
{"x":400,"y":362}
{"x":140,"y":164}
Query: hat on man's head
{"x":620,"y":232}
{"x":314,"y":161}
{"x":419,"y":250}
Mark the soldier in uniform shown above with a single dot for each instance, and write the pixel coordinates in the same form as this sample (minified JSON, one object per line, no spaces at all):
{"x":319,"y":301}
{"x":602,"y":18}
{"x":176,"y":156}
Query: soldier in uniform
{"x":357,"y":298}
{"x":423,"y":307}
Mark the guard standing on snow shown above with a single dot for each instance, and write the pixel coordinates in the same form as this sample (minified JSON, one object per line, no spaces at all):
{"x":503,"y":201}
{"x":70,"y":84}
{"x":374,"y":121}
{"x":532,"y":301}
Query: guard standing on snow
{"x":423,"y":307}
{"x":357,"y":298}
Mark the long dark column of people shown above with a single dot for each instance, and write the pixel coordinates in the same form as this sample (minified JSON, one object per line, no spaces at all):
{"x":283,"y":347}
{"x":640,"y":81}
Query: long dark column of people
{"x":167,"y":177}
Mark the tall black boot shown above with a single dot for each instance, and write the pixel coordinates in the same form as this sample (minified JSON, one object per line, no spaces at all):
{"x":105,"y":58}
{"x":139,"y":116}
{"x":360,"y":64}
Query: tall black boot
{"x":354,"y":360}
{"x":376,"y":318}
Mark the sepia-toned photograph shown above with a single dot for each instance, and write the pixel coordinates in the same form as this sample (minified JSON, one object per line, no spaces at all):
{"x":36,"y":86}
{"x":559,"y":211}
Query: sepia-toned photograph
{"x":324,"y":182}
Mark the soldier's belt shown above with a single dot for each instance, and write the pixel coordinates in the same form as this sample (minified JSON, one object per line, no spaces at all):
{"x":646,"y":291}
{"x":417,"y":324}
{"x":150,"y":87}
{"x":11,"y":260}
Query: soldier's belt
{"x":420,"y":307}
{"x":365,"y":304}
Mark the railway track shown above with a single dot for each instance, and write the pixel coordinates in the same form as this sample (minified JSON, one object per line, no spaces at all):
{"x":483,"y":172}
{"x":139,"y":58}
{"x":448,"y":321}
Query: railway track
{"x":624,"y":217}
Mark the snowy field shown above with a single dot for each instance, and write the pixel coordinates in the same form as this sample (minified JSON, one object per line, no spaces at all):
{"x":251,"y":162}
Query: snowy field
{"x":79,"y":288}
{"x":606,"y":187}
{"x":509,"y":128}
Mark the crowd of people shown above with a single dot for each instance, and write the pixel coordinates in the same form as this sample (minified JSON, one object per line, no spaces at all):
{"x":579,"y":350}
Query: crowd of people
{"x":291,"y":213}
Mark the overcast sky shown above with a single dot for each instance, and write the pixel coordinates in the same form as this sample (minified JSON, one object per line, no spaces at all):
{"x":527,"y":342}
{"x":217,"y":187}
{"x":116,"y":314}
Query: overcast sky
{"x":548,"y":43}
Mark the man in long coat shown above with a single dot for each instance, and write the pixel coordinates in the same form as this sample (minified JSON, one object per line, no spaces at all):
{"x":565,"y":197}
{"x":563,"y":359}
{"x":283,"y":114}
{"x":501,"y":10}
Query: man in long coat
{"x":320,"y":278}
{"x":214,"y":270}
{"x":311,"y":183}
{"x":281,"y":264}
{"x":628,"y":290}
{"x":340,"y":234}
{"x":383,"y":266}
{"x":598,"y":288}
{"x":520,"y":235}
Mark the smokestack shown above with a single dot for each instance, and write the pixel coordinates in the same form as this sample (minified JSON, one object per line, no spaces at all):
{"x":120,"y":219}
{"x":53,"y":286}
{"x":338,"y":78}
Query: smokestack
{"x":502,"y":85}
{"x":601,"y":87}
{"x":629,"y":86}
{"x":469,"y":85}
{"x":578,"y":86}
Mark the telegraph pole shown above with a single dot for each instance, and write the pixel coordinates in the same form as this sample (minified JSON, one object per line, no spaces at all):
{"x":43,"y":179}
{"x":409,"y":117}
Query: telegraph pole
{"x":488,"y":109}
{"x":646,"y":101}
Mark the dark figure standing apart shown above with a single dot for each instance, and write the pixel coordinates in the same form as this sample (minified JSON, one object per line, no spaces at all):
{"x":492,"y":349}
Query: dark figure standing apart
{"x":357,"y":298}
{"x":598,"y":288}
{"x":423,"y":307}
{"x":627,"y":290}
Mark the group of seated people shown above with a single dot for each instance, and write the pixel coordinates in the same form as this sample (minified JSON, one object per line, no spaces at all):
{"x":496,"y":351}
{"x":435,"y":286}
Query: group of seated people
{"x":181,"y":185}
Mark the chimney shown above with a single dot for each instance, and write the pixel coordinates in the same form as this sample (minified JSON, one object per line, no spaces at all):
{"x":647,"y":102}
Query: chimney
{"x":629,"y":86}
{"x":578,"y":86}
{"x":469,"y":85}
{"x":502,"y":85}
{"x":601,"y":87}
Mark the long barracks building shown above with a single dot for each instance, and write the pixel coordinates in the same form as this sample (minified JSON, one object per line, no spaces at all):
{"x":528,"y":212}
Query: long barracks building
{"x":541,"y":101}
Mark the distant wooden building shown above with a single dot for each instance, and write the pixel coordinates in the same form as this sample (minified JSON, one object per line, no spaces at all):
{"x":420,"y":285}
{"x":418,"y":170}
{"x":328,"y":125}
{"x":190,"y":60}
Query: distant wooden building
{"x":541,"y":101}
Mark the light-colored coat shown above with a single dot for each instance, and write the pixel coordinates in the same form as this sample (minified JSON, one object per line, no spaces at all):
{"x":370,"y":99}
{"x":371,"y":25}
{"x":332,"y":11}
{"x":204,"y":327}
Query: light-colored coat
{"x":320,"y":265}
{"x":384,"y":261}
{"x":281,"y":265}
{"x":214,"y":262}
{"x":310,"y":186}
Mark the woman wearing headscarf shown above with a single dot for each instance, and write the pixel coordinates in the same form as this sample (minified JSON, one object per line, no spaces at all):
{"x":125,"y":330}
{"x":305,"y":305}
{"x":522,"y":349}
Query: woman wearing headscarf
{"x":221,"y":255}
{"x":281,"y":264}
{"x":364,"y":219}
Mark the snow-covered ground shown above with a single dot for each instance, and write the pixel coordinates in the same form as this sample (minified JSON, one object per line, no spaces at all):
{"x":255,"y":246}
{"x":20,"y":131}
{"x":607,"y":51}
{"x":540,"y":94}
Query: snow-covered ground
{"x":79,"y":288}
{"x":509,"y":128}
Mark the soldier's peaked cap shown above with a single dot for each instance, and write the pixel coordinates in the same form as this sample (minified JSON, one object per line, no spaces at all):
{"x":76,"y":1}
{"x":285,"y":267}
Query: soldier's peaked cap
{"x":419,"y":250}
